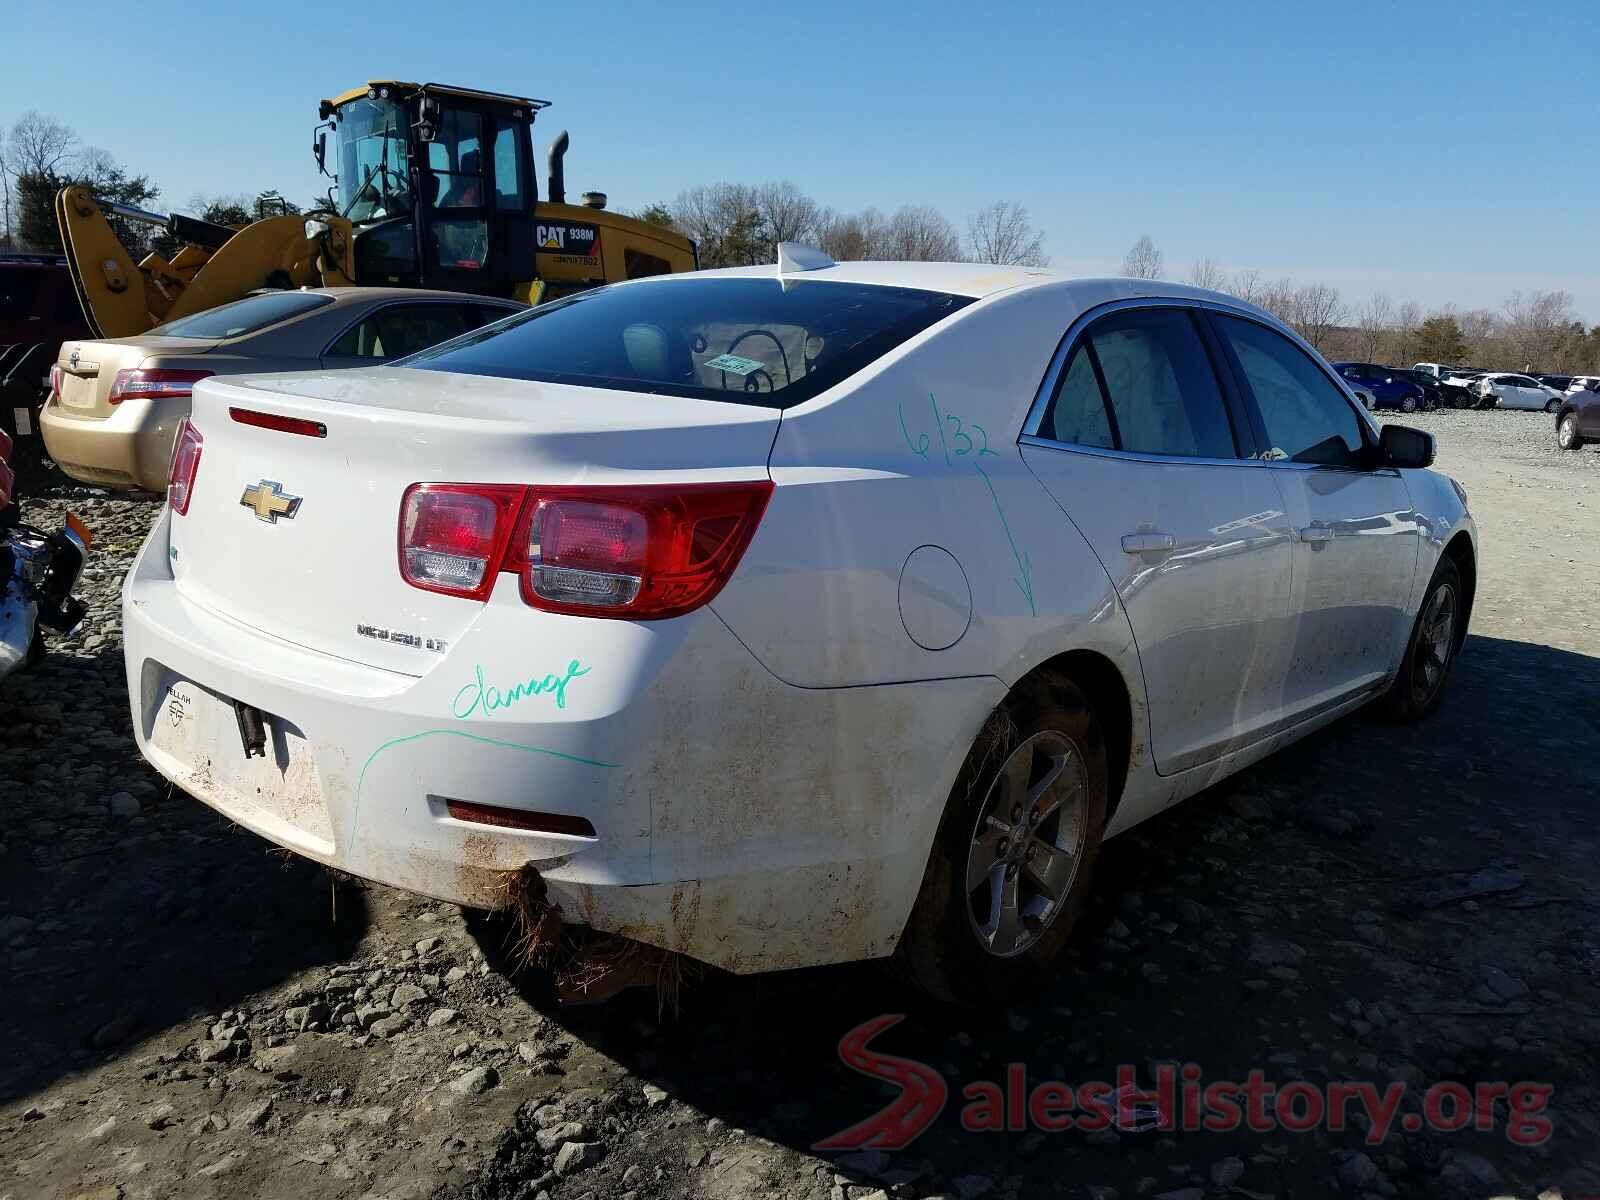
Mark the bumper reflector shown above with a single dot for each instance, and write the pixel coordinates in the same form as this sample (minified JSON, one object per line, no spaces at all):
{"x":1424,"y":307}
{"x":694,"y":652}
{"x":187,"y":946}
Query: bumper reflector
{"x":517,"y":818}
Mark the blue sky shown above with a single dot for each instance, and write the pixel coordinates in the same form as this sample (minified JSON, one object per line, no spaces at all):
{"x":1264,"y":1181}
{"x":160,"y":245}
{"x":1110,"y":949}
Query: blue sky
{"x":1440,"y":152}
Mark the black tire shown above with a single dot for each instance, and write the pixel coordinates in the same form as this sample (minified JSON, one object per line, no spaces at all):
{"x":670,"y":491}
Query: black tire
{"x":1553,"y":406}
{"x":1417,"y":690}
{"x":1409,"y":404}
{"x":943,"y":952}
{"x":1567,"y":436}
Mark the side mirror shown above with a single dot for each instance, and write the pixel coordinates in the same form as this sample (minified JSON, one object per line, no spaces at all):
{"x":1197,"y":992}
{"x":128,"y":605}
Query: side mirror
{"x":1402,"y":446}
{"x":428,"y":114}
{"x":319,"y":149}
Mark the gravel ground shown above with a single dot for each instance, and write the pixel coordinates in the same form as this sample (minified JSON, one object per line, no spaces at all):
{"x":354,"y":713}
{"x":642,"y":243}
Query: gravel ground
{"x":185,"y":1012}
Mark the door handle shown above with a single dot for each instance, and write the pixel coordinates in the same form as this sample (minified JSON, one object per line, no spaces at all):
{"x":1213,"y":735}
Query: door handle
{"x":1148,"y":543}
{"x":1316,"y":535}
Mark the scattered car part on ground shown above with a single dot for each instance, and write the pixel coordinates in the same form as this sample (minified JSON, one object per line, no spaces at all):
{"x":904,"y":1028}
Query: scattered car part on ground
{"x":969,"y":702}
{"x":115,"y":406}
{"x":38,"y":572}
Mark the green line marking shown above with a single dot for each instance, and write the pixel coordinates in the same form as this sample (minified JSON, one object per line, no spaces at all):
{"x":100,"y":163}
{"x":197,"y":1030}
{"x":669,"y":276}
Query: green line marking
{"x":1024,"y":577}
{"x":471,"y":737}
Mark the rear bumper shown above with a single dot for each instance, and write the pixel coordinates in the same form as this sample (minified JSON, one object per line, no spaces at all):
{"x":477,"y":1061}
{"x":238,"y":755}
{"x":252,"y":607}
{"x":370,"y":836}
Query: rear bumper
{"x":739,"y":820}
{"x":130,"y":448}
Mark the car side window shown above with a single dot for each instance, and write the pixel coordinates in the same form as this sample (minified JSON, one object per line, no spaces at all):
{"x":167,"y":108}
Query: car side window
{"x":400,"y":329}
{"x":1306,"y":418}
{"x":1157,"y":384}
{"x":1079,"y":412}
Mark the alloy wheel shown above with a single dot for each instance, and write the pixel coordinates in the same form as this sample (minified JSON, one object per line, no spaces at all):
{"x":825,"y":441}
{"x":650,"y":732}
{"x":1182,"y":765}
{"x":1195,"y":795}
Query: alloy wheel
{"x":1436,"y":642}
{"x":1027,"y":843}
{"x":1569,"y":431}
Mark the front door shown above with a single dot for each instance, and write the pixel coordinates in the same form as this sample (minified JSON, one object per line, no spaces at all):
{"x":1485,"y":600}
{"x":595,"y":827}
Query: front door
{"x":1356,"y":534}
{"x":1138,"y":445}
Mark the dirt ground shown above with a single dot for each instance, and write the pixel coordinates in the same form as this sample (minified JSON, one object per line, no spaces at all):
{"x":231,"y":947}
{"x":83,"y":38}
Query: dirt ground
{"x":186,"y":1013}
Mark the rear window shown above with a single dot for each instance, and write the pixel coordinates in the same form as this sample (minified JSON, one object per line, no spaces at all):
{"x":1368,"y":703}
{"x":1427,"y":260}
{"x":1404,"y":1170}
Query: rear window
{"x":769,"y":342}
{"x":244,"y":316}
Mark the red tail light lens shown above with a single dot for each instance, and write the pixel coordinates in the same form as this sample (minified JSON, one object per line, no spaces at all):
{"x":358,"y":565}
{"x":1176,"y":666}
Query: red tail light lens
{"x":185,"y":465}
{"x":154,"y":383}
{"x":642,"y":553}
{"x":453,"y":536}
{"x":55,"y":381}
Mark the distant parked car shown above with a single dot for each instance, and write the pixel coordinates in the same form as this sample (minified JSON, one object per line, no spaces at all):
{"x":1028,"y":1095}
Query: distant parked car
{"x":1578,"y":417}
{"x":115,"y":405}
{"x":1584,"y":383}
{"x":1458,"y":389}
{"x":1432,"y":393}
{"x":1518,"y":391}
{"x":1389,"y":388}
{"x":1560,"y":382}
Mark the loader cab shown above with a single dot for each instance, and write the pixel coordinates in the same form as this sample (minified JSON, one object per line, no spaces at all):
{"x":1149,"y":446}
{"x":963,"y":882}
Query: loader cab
{"x":438,"y":184}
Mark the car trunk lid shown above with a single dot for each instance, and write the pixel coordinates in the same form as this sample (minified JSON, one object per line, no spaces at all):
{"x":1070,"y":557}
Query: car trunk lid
{"x":88,"y":369}
{"x":326,"y":575}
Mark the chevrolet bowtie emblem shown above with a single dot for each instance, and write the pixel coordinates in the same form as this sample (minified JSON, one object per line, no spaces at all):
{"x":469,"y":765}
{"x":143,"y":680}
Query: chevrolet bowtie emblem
{"x":269,"y":502}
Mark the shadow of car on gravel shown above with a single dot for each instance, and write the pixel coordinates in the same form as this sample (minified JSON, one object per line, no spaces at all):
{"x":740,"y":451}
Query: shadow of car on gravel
{"x":1296,"y":851}
{"x":127,"y":912}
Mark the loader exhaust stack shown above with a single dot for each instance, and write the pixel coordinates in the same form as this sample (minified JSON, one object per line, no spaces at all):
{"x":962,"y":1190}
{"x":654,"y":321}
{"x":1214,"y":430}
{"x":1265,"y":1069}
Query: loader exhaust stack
{"x":558,"y":175}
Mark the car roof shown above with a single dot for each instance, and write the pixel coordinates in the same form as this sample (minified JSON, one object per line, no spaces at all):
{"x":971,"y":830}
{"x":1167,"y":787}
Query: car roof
{"x":977,"y":280}
{"x":347,"y":295}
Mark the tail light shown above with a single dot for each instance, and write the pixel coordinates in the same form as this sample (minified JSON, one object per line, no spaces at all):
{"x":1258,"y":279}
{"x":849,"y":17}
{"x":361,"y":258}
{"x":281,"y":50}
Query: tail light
{"x":641,"y":553}
{"x":153,"y":383}
{"x":55,"y":382}
{"x":453,"y":536}
{"x":185,"y":465}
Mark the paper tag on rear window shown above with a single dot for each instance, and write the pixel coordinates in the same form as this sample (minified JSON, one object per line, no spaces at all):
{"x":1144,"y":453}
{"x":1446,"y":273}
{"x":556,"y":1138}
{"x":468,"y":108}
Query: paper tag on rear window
{"x":734,"y":364}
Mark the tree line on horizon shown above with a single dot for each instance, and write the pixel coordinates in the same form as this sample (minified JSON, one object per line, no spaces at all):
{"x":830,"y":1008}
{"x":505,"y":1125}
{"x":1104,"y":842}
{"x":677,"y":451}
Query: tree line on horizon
{"x":1534,"y":331}
{"x":741,"y":224}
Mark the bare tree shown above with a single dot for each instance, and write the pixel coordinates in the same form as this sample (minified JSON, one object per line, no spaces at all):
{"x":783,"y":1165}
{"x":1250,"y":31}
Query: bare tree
{"x":1206,"y":273}
{"x":787,"y":213}
{"x":1144,"y":260}
{"x":919,"y":233}
{"x":1537,"y":324}
{"x":850,"y":237}
{"x":1247,"y":286}
{"x":1373,"y":322}
{"x":1408,"y":319}
{"x":725,"y":222}
{"x":1316,"y":309}
{"x":40,"y":145}
{"x":1003,"y":234}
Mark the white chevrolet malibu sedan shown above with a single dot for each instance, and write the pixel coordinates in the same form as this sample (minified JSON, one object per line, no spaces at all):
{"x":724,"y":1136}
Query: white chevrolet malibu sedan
{"x":785,"y":616}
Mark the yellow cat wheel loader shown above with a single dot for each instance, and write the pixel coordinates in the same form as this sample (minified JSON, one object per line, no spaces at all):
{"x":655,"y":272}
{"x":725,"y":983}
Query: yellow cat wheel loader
{"x":434,"y":186}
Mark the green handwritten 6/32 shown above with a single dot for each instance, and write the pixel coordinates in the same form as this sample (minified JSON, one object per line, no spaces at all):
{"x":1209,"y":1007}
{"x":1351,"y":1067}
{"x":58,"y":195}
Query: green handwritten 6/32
{"x":486,"y":698}
{"x":956,"y":443}
{"x":954,"y":440}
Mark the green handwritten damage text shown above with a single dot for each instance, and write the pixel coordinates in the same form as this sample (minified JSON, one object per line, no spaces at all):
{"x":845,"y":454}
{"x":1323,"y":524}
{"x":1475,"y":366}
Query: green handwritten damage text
{"x":485,"y":698}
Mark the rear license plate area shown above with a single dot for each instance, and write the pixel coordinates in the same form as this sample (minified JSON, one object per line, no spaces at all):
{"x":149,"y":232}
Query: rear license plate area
{"x":196,"y":731}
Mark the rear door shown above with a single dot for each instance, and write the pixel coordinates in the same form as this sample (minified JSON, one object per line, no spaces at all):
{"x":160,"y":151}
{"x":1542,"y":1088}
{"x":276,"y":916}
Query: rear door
{"x":1136,"y":442}
{"x":1356,"y":537}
